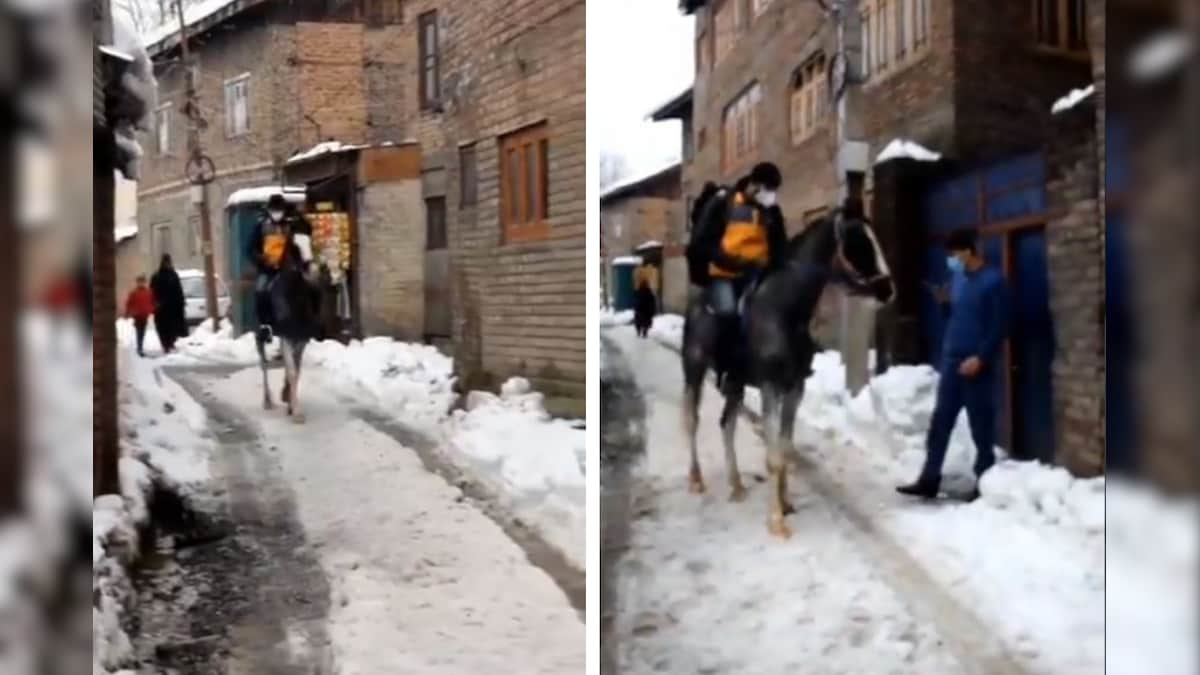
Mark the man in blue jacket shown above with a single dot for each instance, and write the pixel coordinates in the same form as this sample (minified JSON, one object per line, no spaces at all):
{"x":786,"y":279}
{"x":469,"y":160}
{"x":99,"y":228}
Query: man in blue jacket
{"x":970,"y":363}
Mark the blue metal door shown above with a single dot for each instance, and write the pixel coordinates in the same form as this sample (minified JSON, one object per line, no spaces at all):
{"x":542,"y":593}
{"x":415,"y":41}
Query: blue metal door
{"x":1120,"y":341}
{"x":1032,"y":347}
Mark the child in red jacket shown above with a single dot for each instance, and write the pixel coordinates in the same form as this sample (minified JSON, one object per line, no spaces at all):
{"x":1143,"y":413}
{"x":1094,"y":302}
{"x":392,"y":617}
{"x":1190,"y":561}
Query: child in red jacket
{"x":139,"y":307}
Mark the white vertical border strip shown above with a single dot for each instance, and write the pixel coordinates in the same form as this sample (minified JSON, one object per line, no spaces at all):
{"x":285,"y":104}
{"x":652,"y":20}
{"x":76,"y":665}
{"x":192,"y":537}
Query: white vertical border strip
{"x":592,"y":229}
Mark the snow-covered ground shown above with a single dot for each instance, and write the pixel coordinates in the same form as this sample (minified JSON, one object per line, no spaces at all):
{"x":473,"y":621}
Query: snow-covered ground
{"x":421,"y":581}
{"x":1027,"y":559}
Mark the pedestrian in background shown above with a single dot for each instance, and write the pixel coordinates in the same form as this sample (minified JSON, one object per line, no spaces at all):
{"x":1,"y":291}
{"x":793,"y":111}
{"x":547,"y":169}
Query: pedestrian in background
{"x":139,"y":306}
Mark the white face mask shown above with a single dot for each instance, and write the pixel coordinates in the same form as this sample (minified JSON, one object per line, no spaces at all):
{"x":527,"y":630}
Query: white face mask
{"x":276,"y":215}
{"x":767,"y":198}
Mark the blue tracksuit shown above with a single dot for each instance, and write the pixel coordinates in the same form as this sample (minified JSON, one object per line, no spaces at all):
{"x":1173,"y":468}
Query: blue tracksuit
{"x":978,"y":325}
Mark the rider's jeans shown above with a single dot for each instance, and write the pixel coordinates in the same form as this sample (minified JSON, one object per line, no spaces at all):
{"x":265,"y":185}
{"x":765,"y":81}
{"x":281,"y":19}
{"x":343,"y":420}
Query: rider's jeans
{"x":262,"y":299}
{"x":723,"y":297}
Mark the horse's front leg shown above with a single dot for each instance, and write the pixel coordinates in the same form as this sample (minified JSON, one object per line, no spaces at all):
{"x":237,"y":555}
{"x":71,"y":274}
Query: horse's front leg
{"x":729,"y":420}
{"x":787,"y":433}
{"x":268,"y":404}
{"x":776,"y":462}
{"x":289,"y":374}
{"x":691,"y":422}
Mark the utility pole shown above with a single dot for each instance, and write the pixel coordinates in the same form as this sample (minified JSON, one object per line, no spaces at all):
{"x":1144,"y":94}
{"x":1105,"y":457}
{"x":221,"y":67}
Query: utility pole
{"x":200,"y":171}
{"x":857,"y":328}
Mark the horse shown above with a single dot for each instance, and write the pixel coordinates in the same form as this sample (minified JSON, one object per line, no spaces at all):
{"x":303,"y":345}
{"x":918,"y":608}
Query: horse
{"x":840,"y":248}
{"x":295,"y":323}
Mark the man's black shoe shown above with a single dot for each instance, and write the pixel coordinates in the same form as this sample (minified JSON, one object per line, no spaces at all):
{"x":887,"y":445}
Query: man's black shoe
{"x":923,"y":489}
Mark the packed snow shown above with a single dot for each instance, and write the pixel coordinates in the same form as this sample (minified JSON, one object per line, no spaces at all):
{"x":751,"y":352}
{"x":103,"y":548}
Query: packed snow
{"x":609,"y":317}
{"x":420,"y":579}
{"x":1027,"y":558}
{"x":901,"y":148}
{"x":538,"y":462}
{"x":1072,"y":99}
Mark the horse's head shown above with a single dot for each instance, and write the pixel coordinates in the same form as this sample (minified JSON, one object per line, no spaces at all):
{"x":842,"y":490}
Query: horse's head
{"x":858,"y":259}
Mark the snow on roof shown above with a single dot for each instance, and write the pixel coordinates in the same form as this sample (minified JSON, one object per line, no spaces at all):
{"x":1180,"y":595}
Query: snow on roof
{"x":260,"y":195}
{"x":1161,"y":54}
{"x":116,"y":53}
{"x":627,"y":260}
{"x":1073,"y":99}
{"x":653,"y":243}
{"x":902,"y":148}
{"x":621,"y":185}
{"x":322,"y":149}
{"x":192,"y":14}
{"x":123,"y":232}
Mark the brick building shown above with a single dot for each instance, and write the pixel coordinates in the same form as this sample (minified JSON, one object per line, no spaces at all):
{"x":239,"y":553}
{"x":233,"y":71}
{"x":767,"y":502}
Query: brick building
{"x":500,"y":115}
{"x":646,"y":216}
{"x":975,"y":81}
{"x":491,"y":93}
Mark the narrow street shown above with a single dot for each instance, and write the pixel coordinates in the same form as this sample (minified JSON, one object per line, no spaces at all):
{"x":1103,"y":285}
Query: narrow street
{"x":346,"y":546}
{"x":702,"y":588}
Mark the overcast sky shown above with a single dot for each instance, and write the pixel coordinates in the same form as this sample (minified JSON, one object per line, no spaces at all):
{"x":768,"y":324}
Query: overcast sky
{"x":645,"y":59}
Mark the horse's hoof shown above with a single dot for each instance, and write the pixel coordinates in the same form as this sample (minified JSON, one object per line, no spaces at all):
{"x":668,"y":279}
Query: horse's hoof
{"x":696,"y":484}
{"x":788,"y":508}
{"x":299,"y":418}
{"x":268,"y":405}
{"x":778,"y":527}
{"x":737,"y":493}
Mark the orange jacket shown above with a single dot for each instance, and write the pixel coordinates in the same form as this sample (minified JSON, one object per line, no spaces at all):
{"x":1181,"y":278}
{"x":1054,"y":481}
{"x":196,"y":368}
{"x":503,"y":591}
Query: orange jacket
{"x":140,"y":304}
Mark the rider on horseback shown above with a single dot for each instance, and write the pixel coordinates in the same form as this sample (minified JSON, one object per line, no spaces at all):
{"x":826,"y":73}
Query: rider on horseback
{"x":739,"y":235}
{"x":281,"y":231}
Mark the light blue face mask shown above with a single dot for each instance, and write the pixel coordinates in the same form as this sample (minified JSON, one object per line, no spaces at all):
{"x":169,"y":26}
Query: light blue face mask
{"x":954,"y":263}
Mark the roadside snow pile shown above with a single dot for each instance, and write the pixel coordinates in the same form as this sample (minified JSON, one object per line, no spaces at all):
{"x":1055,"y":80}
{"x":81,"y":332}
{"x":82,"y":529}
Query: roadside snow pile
{"x":410,"y":381}
{"x":610,"y":318}
{"x":536,"y":462}
{"x":203,"y":346}
{"x":668,"y":330}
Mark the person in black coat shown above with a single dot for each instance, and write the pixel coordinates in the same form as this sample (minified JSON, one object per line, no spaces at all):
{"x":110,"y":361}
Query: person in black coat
{"x":169,"y":305}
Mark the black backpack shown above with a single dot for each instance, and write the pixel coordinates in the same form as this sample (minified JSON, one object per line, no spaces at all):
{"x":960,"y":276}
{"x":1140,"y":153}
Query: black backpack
{"x":697,"y":260}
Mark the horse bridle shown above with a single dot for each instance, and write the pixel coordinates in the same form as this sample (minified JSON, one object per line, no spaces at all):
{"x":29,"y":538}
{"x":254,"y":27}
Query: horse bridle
{"x":853,"y":275}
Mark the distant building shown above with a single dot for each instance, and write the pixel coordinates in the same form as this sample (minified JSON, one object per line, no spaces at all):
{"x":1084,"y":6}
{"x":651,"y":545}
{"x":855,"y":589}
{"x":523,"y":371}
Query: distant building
{"x":645,"y":217}
{"x":491,"y":256}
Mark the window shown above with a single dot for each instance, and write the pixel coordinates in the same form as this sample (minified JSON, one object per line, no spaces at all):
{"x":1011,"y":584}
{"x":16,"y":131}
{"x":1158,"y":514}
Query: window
{"x":524,"y":184}
{"x":431,"y":84}
{"x":892,"y":32}
{"x":739,"y":127}
{"x":162,"y":128}
{"x":1062,"y":24}
{"x":809,"y":98}
{"x":161,"y":241}
{"x":237,"y":106}
{"x":384,"y":12}
{"x":468,"y":176}
{"x":725,"y":28}
{"x":435,"y":224}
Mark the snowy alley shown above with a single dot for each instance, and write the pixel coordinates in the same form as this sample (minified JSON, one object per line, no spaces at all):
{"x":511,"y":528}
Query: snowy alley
{"x":1013,"y":583}
{"x":366,"y":541}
